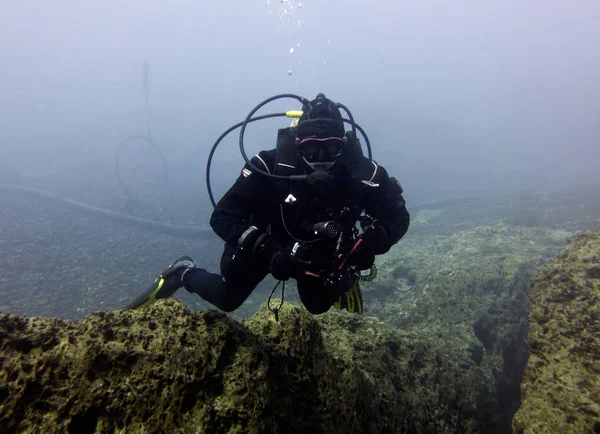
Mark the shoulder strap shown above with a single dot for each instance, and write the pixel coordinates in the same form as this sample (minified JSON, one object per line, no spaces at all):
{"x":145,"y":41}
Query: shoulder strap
{"x":286,"y":156}
{"x":353,"y":144}
{"x":365,"y":172}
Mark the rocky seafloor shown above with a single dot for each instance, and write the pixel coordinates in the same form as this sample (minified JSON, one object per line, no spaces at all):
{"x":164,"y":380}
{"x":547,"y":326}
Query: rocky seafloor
{"x":442,"y":346}
{"x":561,"y":385}
{"x":170,"y":369}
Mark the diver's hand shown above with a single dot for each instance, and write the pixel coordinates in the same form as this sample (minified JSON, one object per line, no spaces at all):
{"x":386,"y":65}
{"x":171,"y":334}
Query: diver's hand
{"x":280,"y":261}
{"x":281,"y":266}
{"x":374,"y":241}
{"x":362,"y":257}
{"x":341,"y":282}
{"x":376,"y":237}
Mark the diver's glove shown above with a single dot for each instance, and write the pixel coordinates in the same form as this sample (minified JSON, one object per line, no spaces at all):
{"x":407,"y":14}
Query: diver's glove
{"x":279,"y":260}
{"x":362,"y":257}
{"x":340,"y":283}
{"x":373,"y":242}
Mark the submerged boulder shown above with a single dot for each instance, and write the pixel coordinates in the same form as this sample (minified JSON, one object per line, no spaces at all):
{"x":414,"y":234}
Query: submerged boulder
{"x":168,"y":368}
{"x":561,"y":384}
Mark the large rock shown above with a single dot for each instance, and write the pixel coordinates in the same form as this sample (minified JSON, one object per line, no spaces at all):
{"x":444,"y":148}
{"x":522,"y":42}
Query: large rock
{"x":561,"y":385}
{"x":171,"y":369}
{"x":468,"y":290}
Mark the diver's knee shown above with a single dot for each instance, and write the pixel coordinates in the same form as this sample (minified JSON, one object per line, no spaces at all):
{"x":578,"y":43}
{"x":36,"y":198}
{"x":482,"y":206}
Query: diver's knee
{"x":230,"y":304}
{"x":229,"y":307}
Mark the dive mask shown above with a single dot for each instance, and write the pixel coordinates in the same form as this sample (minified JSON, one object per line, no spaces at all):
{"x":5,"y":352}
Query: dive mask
{"x":321,"y":153}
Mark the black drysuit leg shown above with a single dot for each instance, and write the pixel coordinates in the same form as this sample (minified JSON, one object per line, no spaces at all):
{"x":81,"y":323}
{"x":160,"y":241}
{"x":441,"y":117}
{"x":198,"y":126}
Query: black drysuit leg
{"x":227,"y":291}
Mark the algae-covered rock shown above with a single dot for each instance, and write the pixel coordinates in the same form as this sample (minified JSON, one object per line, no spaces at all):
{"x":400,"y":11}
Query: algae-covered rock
{"x":471,"y":296}
{"x":169,"y":369}
{"x":561,"y":384}
{"x":153,"y":370}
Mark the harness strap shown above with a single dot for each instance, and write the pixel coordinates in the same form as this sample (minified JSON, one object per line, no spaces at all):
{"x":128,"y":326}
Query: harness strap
{"x":287,"y":152}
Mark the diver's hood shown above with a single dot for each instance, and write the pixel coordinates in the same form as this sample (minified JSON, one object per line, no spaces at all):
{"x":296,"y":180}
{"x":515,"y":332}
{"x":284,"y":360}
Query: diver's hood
{"x":321,"y":117}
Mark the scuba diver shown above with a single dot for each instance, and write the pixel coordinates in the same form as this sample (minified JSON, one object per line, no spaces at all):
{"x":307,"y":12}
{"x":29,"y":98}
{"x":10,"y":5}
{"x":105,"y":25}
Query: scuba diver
{"x":301,"y":227}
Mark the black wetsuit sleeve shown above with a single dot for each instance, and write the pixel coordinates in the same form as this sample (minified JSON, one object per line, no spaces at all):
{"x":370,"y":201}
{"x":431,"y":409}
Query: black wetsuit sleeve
{"x":243,"y":202}
{"x":386,"y":204}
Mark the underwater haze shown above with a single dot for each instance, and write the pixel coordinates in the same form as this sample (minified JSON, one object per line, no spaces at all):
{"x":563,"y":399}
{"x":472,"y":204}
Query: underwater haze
{"x":457,"y":98}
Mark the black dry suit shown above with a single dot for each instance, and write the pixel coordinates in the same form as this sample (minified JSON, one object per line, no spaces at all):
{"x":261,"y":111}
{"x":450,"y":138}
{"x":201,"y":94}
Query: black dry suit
{"x":289,"y":211}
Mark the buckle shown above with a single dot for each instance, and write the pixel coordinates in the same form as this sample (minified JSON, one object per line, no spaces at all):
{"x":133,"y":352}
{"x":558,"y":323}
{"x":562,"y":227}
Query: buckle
{"x":242,"y":239}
